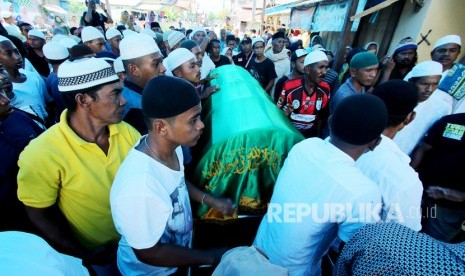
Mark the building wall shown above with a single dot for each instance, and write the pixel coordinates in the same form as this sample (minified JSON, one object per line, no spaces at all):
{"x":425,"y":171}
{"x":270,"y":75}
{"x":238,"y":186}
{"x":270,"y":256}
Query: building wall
{"x":439,"y":16}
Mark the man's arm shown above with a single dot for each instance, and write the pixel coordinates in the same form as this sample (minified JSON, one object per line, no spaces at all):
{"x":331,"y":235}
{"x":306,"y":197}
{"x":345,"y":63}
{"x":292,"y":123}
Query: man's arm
{"x":88,"y":16}
{"x":223,"y":205}
{"x":268,"y":86}
{"x":203,"y":46}
{"x":56,"y":230}
{"x":107,"y":13}
{"x":169,"y":255}
{"x":418,"y":154}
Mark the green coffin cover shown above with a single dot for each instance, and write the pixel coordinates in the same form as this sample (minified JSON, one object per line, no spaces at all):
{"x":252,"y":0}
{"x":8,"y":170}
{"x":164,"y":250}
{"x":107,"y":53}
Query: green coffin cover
{"x":245,"y":141}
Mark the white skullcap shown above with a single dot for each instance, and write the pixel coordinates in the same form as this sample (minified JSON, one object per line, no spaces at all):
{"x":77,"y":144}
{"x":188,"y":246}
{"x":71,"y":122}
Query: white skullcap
{"x":448,"y":39}
{"x":174,"y":38}
{"x":111,"y":33}
{"x":426,"y":68}
{"x":75,"y":38}
{"x":55,"y":51}
{"x":68,"y":42}
{"x":315,"y":56}
{"x":118,"y":65}
{"x":58,"y":37}
{"x":90,"y":33}
{"x":257,"y":39}
{"x":177,"y":57}
{"x":128,"y":32}
{"x":197,"y":29}
{"x":137,"y":45}
{"x":84,"y":74}
{"x":36,"y":33}
{"x":4,"y":38}
{"x":166,"y":35}
{"x":149,"y":32}
{"x":6,"y":14}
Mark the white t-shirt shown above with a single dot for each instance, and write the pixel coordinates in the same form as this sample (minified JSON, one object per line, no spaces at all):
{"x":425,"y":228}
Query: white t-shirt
{"x":401,"y":189}
{"x":149,"y":204}
{"x":319,"y":195}
{"x":31,"y":96}
{"x":27,"y":254}
{"x":427,"y":113}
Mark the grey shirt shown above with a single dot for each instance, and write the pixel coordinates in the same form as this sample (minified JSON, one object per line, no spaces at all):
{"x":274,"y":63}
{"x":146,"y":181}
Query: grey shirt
{"x":346,"y":90}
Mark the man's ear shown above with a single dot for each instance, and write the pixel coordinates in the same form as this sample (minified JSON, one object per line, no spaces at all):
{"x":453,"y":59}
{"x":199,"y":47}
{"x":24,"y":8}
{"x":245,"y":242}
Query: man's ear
{"x":160,"y":126}
{"x":352,"y":72}
{"x":177,"y":72}
{"x":82,"y":100}
{"x":133,"y":70}
{"x":410,"y":118}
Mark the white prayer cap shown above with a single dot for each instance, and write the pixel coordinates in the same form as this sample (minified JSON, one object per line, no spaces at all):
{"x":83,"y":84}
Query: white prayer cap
{"x":149,"y":32}
{"x":36,"y":33}
{"x":111,"y":33}
{"x":128,"y":32}
{"x":257,"y":39}
{"x":84,"y":74}
{"x":315,"y":56}
{"x":75,"y":38}
{"x":68,"y":42}
{"x":4,"y":38}
{"x":118,"y":65}
{"x":177,"y":57}
{"x":58,"y":37}
{"x":448,"y":39}
{"x":6,"y":14}
{"x":166,"y":35}
{"x":197,"y":29}
{"x":55,"y":51}
{"x":137,"y":45}
{"x":90,"y":33}
{"x":174,"y":38}
{"x":426,"y":68}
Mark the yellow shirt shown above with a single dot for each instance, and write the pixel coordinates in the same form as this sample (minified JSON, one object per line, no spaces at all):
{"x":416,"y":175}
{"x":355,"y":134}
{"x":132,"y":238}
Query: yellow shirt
{"x":59,"y":166}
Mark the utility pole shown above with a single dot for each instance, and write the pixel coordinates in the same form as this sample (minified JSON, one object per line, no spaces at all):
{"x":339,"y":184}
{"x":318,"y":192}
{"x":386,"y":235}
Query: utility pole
{"x":263,"y":17}
{"x":346,"y":38}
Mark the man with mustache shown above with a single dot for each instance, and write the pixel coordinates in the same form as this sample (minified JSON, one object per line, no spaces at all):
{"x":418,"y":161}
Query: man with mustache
{"x":425,"y":76}
{"x":402,"y":61}
{"x":65,"y":175}
{"x":363,"y":69}
{"x":304,"y":103}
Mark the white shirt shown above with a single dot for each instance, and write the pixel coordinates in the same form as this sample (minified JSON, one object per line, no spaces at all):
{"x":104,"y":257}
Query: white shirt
{"x":149,"y":204}
{"x":31,"y":96}
{"x":401,"y":189}
{"x":317,"y":178}
{"x":427,"y":113}
{"x":207,"y":67}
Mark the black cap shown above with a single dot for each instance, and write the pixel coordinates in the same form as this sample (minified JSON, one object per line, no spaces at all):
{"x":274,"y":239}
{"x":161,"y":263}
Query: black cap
{"x":166,"y":97}
{"x":247,"y":40}
{"x":278,"y":35}
{"x":400,"y":97}
{"x":359,"y":119}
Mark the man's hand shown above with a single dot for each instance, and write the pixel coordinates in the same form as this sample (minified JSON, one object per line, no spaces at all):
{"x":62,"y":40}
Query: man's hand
{"x":102,"y":6}
{"x":437,"y":192}
{"x":288,"y":109}
{"x":208,"y":91}
{"x":225,"y":206}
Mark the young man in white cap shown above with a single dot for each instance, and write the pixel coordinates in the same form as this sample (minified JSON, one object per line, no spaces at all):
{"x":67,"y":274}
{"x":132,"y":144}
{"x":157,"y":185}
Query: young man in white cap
{"x":150,"y":197}
{"x":363,"y":69}
{"x":320,"y":195}
{"x":446,"y":51}
{"x":142,"y":61}
{"x":425,"y":76}
{"x":388,"y":166}
{"x":279,"y":55}
{"x":93,"y":38}
{"x":261,"y":67}
{"x":31,"y":94}
{"x":56,"y":54}
{"x":35,"y":54}
{"x":67,"y":196}
{"x":204,"y":61}
{"x":403,"y":60}
{"x":284,"y":84}
{"x":114,"y":37}
{"x":175,"y":39}
{"x":199,"y":35}
{"x":304,"y":103}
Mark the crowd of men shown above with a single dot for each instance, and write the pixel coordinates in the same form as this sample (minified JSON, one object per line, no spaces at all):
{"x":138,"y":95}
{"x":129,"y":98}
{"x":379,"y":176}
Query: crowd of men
{"x":95,"y":132}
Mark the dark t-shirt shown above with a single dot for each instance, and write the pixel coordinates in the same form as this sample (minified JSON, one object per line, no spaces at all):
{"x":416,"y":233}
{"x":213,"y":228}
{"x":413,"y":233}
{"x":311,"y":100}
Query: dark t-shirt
{"x":98,"y":19}
{"x":443,"y":165}
{"x":222,"y":61}
{"x":279,"y":87}
{"x":39,"y":63}
{"x":241,"y":59}
{"x":263,"y":72}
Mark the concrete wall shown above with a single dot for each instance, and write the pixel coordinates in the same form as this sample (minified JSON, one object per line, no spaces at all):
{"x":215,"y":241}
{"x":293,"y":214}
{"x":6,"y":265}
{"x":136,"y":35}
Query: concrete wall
{"x":442,"y":17}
